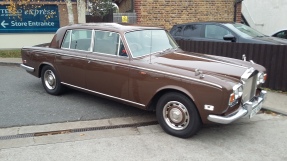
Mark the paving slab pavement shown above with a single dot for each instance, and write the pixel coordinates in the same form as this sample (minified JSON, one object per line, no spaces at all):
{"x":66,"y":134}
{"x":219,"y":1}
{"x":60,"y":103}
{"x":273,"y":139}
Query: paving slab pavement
{"x":10,"y":61}
{"x":261,"y":138}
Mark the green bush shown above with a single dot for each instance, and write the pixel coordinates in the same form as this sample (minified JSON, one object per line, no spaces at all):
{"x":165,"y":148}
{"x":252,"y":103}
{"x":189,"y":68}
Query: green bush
{"x":10,"y":53}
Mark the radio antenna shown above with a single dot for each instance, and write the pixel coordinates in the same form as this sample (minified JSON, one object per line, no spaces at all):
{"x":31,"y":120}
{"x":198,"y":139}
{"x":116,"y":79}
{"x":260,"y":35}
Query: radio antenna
{"x":150,"y":46}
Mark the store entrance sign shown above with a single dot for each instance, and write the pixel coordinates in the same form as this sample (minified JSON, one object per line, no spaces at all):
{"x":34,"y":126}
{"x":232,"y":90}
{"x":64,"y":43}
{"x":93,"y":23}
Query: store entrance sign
{"x":40,"y":19}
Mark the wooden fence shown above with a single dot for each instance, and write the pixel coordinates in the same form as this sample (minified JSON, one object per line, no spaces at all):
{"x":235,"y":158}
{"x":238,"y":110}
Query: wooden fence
{"x":272,"y":57}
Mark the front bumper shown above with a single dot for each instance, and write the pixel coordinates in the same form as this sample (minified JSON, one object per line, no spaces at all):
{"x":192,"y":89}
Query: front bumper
{"x":27,"y":68}
{"x":249,"y":108}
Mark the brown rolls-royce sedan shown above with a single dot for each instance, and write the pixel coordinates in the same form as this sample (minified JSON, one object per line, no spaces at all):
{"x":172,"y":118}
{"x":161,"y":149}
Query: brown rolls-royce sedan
{"x":145,"y":68}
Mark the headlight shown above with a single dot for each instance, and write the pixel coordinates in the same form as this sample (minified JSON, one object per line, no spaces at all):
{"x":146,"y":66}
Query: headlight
{"x":237,"y":93}
{"x":238,"y":90}
{"x":261,"y":78}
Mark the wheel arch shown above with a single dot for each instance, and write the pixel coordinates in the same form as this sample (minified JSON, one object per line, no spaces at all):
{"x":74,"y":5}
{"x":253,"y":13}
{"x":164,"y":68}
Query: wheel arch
{"x":41,"y":67}
{"x":160,"y":92}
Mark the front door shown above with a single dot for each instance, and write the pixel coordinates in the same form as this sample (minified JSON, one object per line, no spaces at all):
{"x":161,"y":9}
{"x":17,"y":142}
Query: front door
{"x":108,"y":68}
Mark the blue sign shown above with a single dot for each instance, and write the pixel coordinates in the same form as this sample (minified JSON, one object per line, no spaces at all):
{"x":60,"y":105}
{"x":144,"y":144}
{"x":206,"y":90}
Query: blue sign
{"x":31,"y":19}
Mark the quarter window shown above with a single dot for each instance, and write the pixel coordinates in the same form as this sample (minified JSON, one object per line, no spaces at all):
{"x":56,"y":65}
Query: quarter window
{"x":66,"y":42}
{"x":192,"y":31}
{"x":215,"y":32}
{"x":178,"y":31}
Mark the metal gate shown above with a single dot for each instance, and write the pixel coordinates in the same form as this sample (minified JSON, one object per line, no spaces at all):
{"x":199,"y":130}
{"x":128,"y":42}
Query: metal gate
{"x":125,"y":17}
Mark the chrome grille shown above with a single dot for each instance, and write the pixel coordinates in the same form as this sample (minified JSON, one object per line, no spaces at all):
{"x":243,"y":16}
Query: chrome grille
{"x":250,"y":85}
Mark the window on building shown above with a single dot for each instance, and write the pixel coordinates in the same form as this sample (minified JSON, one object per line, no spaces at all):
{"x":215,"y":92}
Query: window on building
{"x":215,"y":32}
{"x":192,"y":31}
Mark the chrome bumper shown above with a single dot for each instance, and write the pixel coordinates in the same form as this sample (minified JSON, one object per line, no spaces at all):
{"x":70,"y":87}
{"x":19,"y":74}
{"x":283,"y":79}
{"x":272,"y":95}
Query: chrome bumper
{"x":248,"y":109}
{"x":27,"y":68}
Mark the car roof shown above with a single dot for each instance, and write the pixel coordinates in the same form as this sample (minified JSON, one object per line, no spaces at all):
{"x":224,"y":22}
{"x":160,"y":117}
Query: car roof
{"x":279,"y":31}
{"x":118,"y":27}
{"x":208,"y":22}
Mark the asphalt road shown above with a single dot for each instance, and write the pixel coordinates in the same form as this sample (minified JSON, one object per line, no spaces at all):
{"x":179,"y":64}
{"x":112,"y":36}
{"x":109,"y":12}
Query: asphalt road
{"x":23,"y":101}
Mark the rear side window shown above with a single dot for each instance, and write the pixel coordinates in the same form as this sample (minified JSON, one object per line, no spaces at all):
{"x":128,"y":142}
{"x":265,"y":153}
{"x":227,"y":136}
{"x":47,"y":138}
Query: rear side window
{"x":192,"y":31}
{"x":215,"y":32}
{"x":78,"y":40}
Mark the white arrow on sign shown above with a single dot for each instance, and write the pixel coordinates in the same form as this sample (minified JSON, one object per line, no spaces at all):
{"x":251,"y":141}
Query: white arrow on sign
{"x":4,"y":24}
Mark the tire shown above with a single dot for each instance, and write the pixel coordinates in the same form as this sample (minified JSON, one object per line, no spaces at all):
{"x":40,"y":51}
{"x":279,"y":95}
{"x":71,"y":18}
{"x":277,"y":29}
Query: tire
{"x":177,"y":115}
{"x":51,"y":81}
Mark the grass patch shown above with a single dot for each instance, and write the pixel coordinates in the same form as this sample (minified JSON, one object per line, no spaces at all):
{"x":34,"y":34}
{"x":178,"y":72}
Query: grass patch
{"x":15,"y":53}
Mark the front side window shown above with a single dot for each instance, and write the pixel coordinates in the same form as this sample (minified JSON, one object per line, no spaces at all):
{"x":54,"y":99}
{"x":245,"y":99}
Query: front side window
{"x":106,"y":42}
{"x":215,"y":32}
{"x":246,"y":30}
{"x":144,"y":42}
{"x":282,"y":34}
{"x":78,"y":40}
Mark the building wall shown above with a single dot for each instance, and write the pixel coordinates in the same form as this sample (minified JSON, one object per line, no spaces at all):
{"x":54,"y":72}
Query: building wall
{"x":266,"y":16}
{"x":166,"y":13}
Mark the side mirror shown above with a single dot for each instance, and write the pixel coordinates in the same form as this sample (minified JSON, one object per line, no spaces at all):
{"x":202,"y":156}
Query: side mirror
{"x":229,"y":37}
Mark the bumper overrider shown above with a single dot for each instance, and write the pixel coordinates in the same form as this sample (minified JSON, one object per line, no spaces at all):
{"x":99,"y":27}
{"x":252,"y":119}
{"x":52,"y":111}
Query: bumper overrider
{"x":248,"y":109}
{"x":27,"y":68}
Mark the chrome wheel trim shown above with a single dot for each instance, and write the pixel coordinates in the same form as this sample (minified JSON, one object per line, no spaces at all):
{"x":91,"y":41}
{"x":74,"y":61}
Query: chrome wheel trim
{"x":50,"y":79}
{"x":176,"y":115}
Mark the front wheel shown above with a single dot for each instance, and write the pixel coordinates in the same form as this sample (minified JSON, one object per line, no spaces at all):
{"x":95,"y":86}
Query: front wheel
{"x":177,"y":115}
{"x":51,"y":81}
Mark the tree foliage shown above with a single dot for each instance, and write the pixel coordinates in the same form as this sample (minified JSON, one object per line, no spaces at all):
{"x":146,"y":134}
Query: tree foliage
{"x":101,"y":7}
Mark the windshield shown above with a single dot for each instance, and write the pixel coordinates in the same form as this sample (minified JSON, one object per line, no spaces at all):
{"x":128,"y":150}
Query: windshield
{"x":144,"y":42}
{"x":246,"y":30}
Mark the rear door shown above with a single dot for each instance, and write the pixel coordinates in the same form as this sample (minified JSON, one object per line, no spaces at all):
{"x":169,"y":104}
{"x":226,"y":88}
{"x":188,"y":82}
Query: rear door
{"x":71,"y":60}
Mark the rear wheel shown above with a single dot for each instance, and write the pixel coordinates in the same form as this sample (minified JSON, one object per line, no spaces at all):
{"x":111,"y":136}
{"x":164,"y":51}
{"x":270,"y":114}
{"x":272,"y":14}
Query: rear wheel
{"x":177,"y":115}
{"x":51,"y":81}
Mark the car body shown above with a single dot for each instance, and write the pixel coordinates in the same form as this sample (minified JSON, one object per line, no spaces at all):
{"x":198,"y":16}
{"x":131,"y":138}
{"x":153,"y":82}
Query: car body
{"x":222,"y":32}
{"x":280,"y":34}
{"x":143,"y":67}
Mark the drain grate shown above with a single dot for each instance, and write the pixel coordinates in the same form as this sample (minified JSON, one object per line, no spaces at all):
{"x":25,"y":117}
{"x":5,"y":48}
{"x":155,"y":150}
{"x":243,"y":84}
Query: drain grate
{"x":9,"y":137}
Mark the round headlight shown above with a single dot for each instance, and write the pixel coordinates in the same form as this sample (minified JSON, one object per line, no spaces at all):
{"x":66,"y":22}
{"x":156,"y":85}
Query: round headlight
{"x":261,"y":78}
{"x":238,"y":90}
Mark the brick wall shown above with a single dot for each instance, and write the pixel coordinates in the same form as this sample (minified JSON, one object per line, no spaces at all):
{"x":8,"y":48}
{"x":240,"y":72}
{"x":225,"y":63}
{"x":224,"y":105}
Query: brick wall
{"x":166,"y":13}
{"x":238,"y":12}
